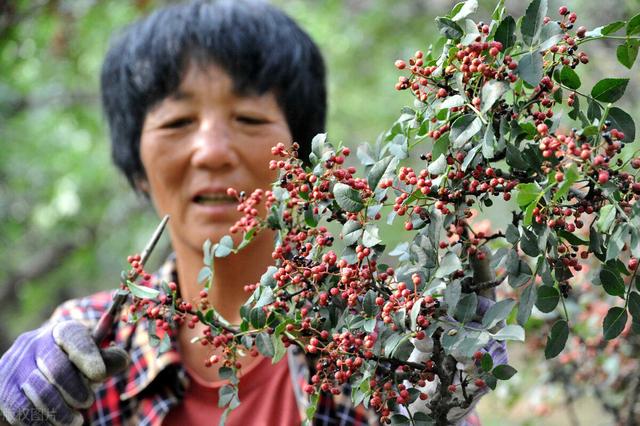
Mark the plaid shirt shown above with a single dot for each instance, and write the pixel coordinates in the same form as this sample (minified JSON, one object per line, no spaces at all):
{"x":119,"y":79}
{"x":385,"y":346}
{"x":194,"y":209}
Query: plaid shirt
{"x":155,"y":382}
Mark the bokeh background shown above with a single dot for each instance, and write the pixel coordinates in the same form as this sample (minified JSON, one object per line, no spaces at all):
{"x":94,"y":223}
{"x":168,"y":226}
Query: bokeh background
{"x":68,"y":220}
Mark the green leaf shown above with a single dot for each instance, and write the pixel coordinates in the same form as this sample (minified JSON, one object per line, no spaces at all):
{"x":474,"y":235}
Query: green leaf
{"x":529,"y":243}
{"x":452,"y":296}
{"x":466,"y":309}
{"x":498,"y":312}
{"x":628,"y":52}
{"x":612,"y":27}
{"x":489,"y":143}
{"x":612,"y":283}
{"x":504,"y":372}
{"x":266,"y":297}
{"x":224,"y":248}
{"x":533,"y":21}
{"x":633,"y":26}
{"x":607,"y":216}
{"x":469,"y":7}
{"x":624,"y":122}
{"x":438,"y":166}
{"x":570,"y":78}
{"x":557,"y":339}
{"x":527,"y":193}
{"x":441,"y":146}
{"x":634,"y":306}
{"x":491,"y":92}
{"x":609,"y":89}
{"x":318,"y":145}
{"x":527,"y":300}
{"x":530,"y":68}
{"x":351,"y":231}
{"x":141,"y":291}
{"x":510,"y":332}
{"x":550,"y":35}
{"x":382,"y":169}
{"x":572,"y":238}
{"x":370,"y":237}
{"x":165,"y":344}
{"x":264,"y":344}
{"x":614,"y":322}
{"x":547,"y":299}
{"x":449,"y":264}
{"x":506,"y":33}
{"x":226,"y":395}
{"x":469,"y":157}
{"x":449,"y":28}
{"x":347,"y":197}
{"x":464,"y":128}
{"x":451,"y":102}
{"x":486,"y":362}
{"x":369,"y":303}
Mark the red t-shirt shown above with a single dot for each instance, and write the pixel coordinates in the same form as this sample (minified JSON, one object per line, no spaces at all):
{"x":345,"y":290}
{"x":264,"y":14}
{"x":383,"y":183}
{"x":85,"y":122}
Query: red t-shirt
{"x":266,"y":398}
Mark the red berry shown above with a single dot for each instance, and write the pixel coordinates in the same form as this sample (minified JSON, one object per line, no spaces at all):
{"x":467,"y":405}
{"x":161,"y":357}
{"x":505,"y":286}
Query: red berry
{"x":633,"y":263}
{"x":603,"y":177}
{"x":442,"y":92}
{"x":542,"y":128}
{"x":563,"y":10}
{"x":480,"y":383}
{"x":400,"y":64}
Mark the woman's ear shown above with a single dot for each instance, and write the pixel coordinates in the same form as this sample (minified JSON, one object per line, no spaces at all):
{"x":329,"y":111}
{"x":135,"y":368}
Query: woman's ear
{"x":142,"y":185}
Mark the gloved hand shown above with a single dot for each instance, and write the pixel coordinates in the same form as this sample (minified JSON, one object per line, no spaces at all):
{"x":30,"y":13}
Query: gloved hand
{"x":45,"y":376}
{"x":423,"y":351}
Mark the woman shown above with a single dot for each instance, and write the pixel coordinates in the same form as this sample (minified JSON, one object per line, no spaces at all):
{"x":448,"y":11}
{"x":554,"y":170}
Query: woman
{"x":195,"y":96}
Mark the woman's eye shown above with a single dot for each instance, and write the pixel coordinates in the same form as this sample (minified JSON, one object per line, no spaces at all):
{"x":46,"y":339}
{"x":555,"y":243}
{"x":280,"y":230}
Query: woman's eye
{"x":254,"y":121}
{"x":177,"y":123}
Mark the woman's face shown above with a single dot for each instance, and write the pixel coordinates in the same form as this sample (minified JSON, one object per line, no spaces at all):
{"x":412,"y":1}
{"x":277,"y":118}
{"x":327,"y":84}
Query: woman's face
{"x":202,"y":140}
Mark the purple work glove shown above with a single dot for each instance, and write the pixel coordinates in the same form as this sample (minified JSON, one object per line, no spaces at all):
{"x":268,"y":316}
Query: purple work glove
{"x":45,"y":376}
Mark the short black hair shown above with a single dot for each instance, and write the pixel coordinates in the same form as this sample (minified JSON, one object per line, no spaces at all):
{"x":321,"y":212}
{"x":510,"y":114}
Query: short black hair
{"x":258,"y":45}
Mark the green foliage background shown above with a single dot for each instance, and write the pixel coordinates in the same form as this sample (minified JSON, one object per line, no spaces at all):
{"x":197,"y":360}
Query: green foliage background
{"x":68,"y":220}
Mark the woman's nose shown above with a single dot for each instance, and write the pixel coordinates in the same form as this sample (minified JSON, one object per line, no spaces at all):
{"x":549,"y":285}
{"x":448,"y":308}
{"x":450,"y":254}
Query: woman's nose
{"x":212,"y":145}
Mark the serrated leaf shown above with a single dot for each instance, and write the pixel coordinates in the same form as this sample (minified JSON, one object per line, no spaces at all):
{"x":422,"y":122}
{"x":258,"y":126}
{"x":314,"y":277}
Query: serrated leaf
{"x":498,"y":312}
{"x":463,"y":129}
{"x":624,"y":122}
{"x":614,"y":322}
{"x":266,"y":297}
{"x":347,"y":197}
{"x":491,"y":92}
{"x":533,"y":21}
{"x":612,"y":283}
{"x":504,"y":372}
{"x":627,"y":52}
{"x":547,"y":298}
{"x":530,"y":68}
{"x":469,"y":7}
{"x":449,"y":28}
{"x":607,"y":216}
{"x":351,"y":231}
{"x":529,"y":243}
{"x":557,"y":339}
{"x":609,"y":89}
{"x":506,"y":32}
{"x":612,"y":27}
